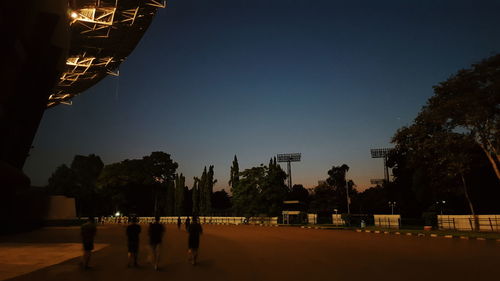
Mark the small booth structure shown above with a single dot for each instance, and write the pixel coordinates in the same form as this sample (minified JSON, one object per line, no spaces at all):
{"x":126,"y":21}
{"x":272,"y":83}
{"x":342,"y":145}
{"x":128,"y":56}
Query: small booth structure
{"x":61,"y":208}
{"x":312,"y":218}
{"x":293,"y":212}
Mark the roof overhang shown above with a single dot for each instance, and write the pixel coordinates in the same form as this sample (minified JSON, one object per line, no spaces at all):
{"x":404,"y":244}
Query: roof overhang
{"x":103,"y":34}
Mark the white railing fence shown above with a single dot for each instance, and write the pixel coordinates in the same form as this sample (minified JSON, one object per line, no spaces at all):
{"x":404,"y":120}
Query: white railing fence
{"x":203,"y":220}
{"x":489,"y":223}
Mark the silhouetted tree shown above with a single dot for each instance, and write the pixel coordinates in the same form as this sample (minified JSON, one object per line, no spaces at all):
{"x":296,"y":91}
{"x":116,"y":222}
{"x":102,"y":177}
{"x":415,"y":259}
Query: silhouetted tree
{"x":161,"y":169}
{"x":374,"y":200}
{"x":143,"y":186}
{"x":129,"y":187}
{"x":299,"y":192}
{"x":205,"y":187}
{"x":221,"y":202}
{"x":444,"y":158}
{"x":246,"y":195}
{"x":209,"y":188}
{"x":62,"y":182}
{"x":202,"y":191}
{"x":195,"y":195}
{"x":180,"y":190}
{"x":274,"y":190}
{"x":86,"y":170}
{"x":324,"y":199}
{"x":469,"y":103}
{"x":234,"y":176}
{"x":260,"y":191}
{"x":338,"y":182}
{"x":170,"y":199}
{"x":439,"y":155}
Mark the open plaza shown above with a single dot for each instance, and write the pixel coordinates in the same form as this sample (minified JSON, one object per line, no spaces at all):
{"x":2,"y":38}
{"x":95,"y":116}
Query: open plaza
{"x":244,"y":252}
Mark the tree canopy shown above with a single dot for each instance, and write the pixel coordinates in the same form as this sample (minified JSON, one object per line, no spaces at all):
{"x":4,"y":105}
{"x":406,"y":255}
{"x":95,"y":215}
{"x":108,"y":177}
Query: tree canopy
{"x":443,"y":152}
{"x":469,"y":103}
{"x":144,"y":186}
{"x":78,"y":181}
{"x":260,"y":190}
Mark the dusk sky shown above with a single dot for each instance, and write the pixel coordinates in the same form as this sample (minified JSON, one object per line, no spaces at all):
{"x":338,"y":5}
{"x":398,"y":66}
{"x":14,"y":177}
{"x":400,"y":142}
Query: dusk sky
{"x":328,"y":79}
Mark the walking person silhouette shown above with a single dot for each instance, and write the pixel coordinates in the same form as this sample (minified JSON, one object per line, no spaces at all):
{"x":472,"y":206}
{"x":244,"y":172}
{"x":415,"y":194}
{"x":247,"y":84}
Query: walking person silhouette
{"x":156,"y":231}
{"x":88,"y":231}
{"x":179,"y":222}
{"x":188,"y":222}
{"x":194,"y":231}
{"x":133,"y":231}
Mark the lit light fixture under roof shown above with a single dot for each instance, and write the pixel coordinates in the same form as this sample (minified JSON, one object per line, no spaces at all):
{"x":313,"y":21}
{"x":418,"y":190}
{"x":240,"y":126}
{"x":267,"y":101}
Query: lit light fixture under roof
{"x":91,"y":22}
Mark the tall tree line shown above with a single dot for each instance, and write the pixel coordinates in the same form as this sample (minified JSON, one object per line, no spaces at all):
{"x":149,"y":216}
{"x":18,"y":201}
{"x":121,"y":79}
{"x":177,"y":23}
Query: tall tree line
{"x":202,"y":192}
{"x":258,"y":190}
{"x":147,"y":186}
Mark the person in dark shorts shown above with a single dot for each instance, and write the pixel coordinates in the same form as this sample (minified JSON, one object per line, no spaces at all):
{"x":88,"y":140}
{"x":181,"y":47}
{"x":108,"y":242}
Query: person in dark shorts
{"x":179,"y":222}
{"x":195,"y":231}
{"x":188,"y":222}
{"x":156,"y":231}
{"x":133,"y":231}
{"x":88,"y":231}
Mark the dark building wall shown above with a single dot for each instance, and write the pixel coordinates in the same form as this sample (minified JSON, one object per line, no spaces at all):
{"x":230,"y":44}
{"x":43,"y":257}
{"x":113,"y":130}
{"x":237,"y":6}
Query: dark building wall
{"x":35,"y":38}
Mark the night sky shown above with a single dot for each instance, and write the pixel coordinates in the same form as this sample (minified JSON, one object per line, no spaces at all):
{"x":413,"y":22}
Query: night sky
{"x":329,"y":79}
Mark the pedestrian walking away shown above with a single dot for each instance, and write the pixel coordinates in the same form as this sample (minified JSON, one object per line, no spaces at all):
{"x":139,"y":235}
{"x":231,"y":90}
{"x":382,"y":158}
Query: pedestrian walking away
{"x":179,"y":223}
{"x":156,"y":231}
{"x":88,"y":231}
{"x":194,"y":231}
{"x":133,"y":231}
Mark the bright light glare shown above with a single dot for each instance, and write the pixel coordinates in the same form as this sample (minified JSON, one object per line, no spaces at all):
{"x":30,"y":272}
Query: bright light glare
{"x":74,"y":15}
{"x":117,"y":214}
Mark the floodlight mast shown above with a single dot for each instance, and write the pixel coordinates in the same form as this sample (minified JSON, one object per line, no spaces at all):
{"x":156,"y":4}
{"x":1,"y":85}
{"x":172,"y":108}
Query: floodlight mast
{"x":377,"y":181}
{"x":382,"y":153}
{"x":288,"y":158}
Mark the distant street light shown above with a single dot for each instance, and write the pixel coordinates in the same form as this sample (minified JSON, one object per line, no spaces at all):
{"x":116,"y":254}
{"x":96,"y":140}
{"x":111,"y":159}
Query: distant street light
{"x":441,"y":205}
{"x":392,"y":204}
{"x":117,"y":214}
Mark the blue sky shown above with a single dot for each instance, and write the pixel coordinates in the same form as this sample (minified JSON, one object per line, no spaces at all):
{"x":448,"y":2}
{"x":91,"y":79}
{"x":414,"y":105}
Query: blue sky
{"x":329,"y":79}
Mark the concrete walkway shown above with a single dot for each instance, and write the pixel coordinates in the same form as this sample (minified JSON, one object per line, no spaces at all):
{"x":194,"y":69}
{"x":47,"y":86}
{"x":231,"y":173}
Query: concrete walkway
{"x":21,"y":258}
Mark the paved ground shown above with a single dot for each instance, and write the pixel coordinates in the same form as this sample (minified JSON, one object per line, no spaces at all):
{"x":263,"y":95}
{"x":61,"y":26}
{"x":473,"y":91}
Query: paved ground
{"x":21,"y":258}
{"x":272,"y":253}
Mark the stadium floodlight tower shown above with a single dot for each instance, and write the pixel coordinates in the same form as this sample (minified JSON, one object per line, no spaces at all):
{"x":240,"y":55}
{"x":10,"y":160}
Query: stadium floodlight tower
{"x":382,"y":153}
{"x":377,"y":181}
{"x":289,"y":158}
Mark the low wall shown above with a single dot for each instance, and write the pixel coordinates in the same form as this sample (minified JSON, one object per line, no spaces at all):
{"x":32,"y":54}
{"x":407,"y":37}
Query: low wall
{"x":61,"y":208}
{"x":263,"y":220}
{"x":466,"y":222}
{"x":387,"y":221}
{"x":203,"y":220}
